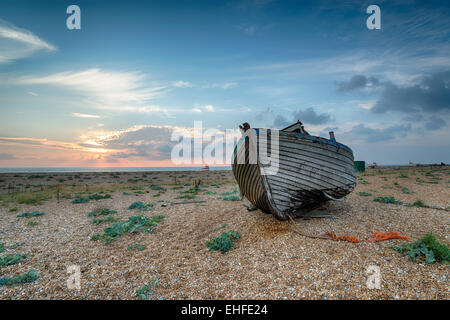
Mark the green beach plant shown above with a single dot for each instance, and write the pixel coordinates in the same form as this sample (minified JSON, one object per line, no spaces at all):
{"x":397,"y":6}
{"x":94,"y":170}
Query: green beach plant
{"x":80,"y":199}
{"x":99,"y":196}
{"x":389,"y":199}
{"x":101,"y":212}
{"x":11,"y":259}
{"x":141,"y":205}
{"x":102,"y":220}
{"x":27,"y":277}
{"x":231,"y":198}
{"x":418,"y":203}
{"x":138,"y":247}
{"x":224,"y":242}
{"x":146,"y":292}
{"x":134,"y":224}
{"x":429,"y":247}
{"x":31,"y":214}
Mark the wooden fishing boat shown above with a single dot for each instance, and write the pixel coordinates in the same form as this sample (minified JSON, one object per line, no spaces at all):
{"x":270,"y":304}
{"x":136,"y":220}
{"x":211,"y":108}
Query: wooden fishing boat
{"x":289,"y":172}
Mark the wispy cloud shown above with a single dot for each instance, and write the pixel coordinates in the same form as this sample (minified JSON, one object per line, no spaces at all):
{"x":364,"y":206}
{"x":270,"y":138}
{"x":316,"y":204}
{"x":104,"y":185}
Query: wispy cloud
{"x":19,"y":43}
{"x":209,"y":108}
{"x":103,"y":89}
{"x":137,"y":108}
{"x":253,"y":29}
{"x":228,"y":85}
{"x":369,"y":134}
{"x":249,"y":30}
{"x":182,"y":84}
{"x":402,"y":66}
{"x":355,"y":63}
{"x":84,"y":115}
{"x":46,"y":143}
{"x":107,"y":86}
{"x":367,"y":105}
{"x":7,"y":156}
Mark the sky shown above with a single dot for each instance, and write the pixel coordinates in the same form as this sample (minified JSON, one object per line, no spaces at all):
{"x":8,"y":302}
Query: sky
{"x":114,"y":92}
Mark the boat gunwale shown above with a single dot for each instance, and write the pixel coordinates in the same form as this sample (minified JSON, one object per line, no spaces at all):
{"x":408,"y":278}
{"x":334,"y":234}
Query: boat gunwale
{"x":307,"y":137}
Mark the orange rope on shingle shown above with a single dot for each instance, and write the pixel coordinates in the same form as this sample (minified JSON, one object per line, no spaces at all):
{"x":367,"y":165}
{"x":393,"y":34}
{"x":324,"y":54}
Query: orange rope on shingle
{"x":377,"y":236}
{"x":342,"y":238}
{"x":381,"y":236}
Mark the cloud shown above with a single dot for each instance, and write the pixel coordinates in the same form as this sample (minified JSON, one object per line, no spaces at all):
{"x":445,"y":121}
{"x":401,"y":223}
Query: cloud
{"x":106,"y":86}
{"x":357,"y":82}
{"x":103,"y":89}
{"x":49,"y":144}
{"x":228,"y":85}
{"x":165,"y":148}
{"x":149,"y":109}
{"x":84,"y":115}
{"x":309,"y":116}
{"x":32,"y":93}
{"x":197,"y":110}
{"x":402,"y":65}
{"x":431,"y":94}
{"x":6,"y":156}
{"x":280,"y":122}
{"x":182,"y":84}
{"x":19,"y":43}
{"x":139,"y":145}
{"x":187,"y":84}
{"x":209,"y":108}
{"x":249,"y":30}
{"x":367,"y":105}
{"x":435,"y":123}
{"x":146,"y":142}
{"x":355,"y":63}
{"x":368,"y":134}
{"x":306,"y":116}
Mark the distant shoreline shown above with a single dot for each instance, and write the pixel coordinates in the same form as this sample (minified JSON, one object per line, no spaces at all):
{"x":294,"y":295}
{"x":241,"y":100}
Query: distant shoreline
{"x":107,"y":169}
{"x":145,"y":169}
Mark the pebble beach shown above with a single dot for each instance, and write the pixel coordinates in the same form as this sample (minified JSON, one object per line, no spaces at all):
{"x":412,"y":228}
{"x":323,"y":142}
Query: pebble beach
{"x":268,"y":261}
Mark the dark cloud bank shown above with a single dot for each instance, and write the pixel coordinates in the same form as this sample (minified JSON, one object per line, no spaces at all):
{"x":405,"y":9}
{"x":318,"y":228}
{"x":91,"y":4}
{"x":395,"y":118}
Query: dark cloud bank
{"x":430,"y":95}
{"x":427,"y":102}
{"x":357,"y":82}
{"x":307,"y":116}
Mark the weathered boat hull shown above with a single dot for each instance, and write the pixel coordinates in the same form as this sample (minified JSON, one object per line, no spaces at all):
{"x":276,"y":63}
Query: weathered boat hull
{"x":309,"y":171}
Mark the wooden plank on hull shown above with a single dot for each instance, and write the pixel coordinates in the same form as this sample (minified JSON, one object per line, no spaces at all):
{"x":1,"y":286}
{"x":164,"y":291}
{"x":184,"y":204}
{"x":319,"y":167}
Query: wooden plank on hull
{"x":308,"y":145}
